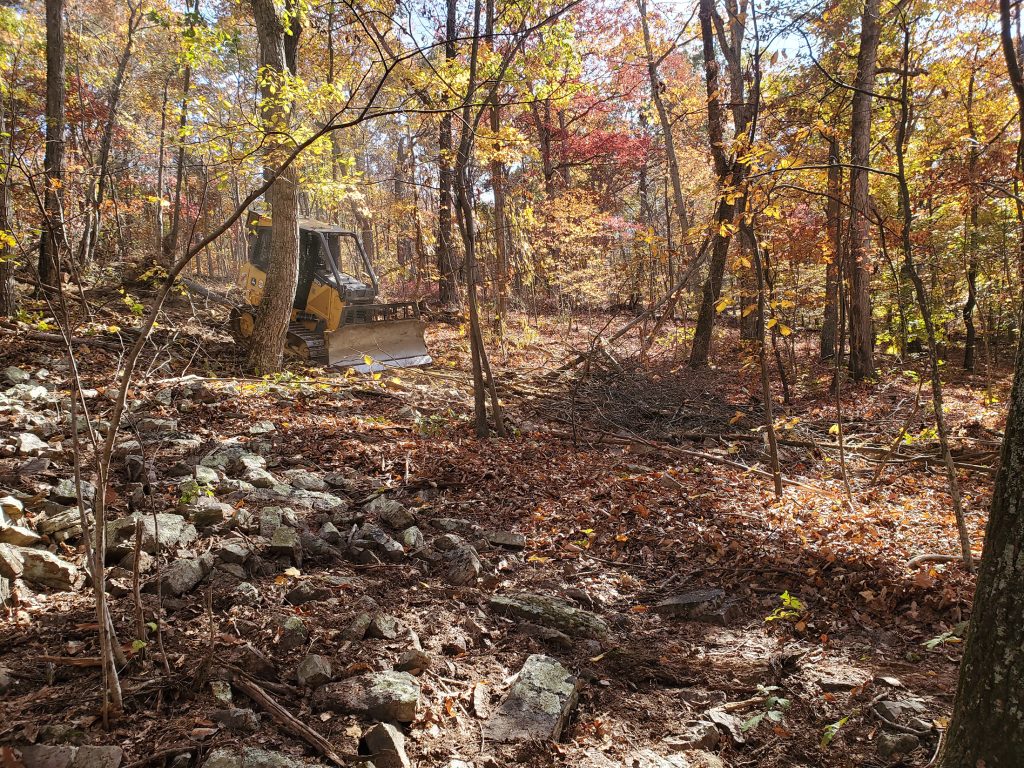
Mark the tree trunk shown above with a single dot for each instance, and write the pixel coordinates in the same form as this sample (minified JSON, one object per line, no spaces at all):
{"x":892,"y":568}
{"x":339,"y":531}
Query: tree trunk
{"x":8,"y":292}
{"x":987,"y":728}
{"x":862,"y":362}
{"x":500,"y":218}
{"x":170,"y":241}
{"x":972,"y":234}
{"x":53,"y":163}
{"x":266,"y":347}
{"x":830,"y":320}
{"x":447,"y":269}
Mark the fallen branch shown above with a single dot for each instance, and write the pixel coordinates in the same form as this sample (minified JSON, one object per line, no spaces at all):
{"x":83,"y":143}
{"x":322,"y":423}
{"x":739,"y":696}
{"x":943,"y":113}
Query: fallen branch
{"x":72,"y":661}
{"x":56,"y":338}
{"x":285,"y":719}
{"x":199,"y":290}
{"x":914,"y":562}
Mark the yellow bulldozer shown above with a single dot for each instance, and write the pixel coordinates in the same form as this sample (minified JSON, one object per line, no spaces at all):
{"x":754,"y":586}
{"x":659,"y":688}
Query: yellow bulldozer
{"x":336,"y":320}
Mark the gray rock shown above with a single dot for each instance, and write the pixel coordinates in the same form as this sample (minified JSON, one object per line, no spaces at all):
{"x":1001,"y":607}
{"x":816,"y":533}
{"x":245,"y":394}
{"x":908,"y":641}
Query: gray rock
{"x":262,"y":428}
{"x":305,"y":481}
{"x":157,"y":426}
{"x":550,"y":612}
{"x":391,"y":513}
{"x":370,"y":543}
{"x":245,"y":593}
{"x":237,"y":720}
{"x":305,"y":592}
{"x":838,"y":677}
{"x":6,"y":680}
{"x":97,"y":757}
{"x":285,"y":543}
{"x":506,"y":539}
{"x":895,"y":711}
{"x":27,"y":444}
{"x":692,"y":604}
{"x":696,"y":734}
{"x":11,"y":507}
{"x":293,"y":634}
{"x":233,"y":552}
{"x":892,"y":744}
{"x":453,"y":525}
{"x":182,"y":576}
{"x":18,"y":535}
{"x":538,"y":704}
{"x":412,"y":539}
{"x":250,"y":757}
{"x":383,"y":626}
{"x":65,"y":492}
{"x":47,"y":756}
{"x":271,"y":518}
{"x":208,"y":512}
{"x":68,"y":519}
{"x":356,"y":629}
{"x":313,"y":671}
{"x":259,"y":478}
{"x":448,"y":542}
{"x":13,"y":375}
{"x":330,"y":533}
{"x":385,"y":746}
{"x":414,"y":661}
{"x":160,"y":531}
{"x":12,"y":562}
{"x":392,"y":696}
{"x":46,"y":569}
{"x":463,"y":566}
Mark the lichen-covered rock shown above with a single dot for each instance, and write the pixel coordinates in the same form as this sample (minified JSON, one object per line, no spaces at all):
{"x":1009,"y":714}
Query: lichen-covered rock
{"x":385,"y":696}
{"x":391,"y":513}
{"x":506,"y":539}
{"x":538,"y":704}
{"x":237,"y":720}
{"x":250,"y":757}
{"x":46,"y":569}
{"x":66,"y":491}
{"x":293,"y":634}
{"x":182,"y":576}
{"x":371,"y":543}
{"x":160,"y":531}
{"x":463,"y":566}
{"x":285,"y":543}
{"x":12,"y":564}
{"x":304,"y":480}
{"x":550,"y":612}
{"x":385,"y":746}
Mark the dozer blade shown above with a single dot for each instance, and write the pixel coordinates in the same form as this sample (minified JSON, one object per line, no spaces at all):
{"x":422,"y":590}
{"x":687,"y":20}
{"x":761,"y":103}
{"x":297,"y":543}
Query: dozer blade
{"x":377,"y":346}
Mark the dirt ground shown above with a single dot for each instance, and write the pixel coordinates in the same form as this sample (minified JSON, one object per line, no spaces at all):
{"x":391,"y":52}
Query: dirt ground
{"x":632,"y":481}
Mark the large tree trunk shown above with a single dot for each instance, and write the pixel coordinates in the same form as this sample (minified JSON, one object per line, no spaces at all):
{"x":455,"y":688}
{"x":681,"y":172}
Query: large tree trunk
{"x":266,"y":347}
{"x":987,"y":728}
{"x":170,"y":241}
{"x":862,"y":362}
{"x":448,"y":273}
{"x":830,"y":320}
{"x":53,"y":163}
{"x":972,"y":234}
{"x":8,"y":292}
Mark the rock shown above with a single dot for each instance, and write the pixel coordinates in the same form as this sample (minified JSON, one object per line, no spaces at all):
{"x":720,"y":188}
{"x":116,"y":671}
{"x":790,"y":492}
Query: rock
{"x":61,"y":525}
{"x":463,"y":566}
{"x":383,"y":626}
{"x":892,"y":744}
{"x":6,"y":680}
{"x":392,"y":696}
{"x":448,"y":542}
{"x":412,"y":539}
{"x":895,"y":711}
{"x":259,"y":478}
{"x":245,"y":593}
{"x":313,"y":671}
{"x":505,"y":539}
{"x":306,"y":481}
{"x":391,"y":513}
{"x":11,"y":507}
{"x":66,"y":492}
{"x":166,"y":531}
{"x":648,"y":758}
{"x":182,"y":576}
{"x":67,"y":756}
{"x":293,"y":634}
{"x":452,"y":525}
{"x":385,"y":746}
{"x":13,"y":376}
{"x":46,"y":569}
{"x":304,"y":592}
{"x":221,"y":691}
{"x":27,"y":444}
{"x":208,"y":512}
{"x":233,"y":553}
{"x":250,"y":757}
{"x":697,"y":734}
{"x":330,"y":533}
{"x":692,"y":605}
{"x":262,"y":428}
{"x":12,"y":563}
{"x":538,"y":703}
{"x":285,"y":543}
{"x":356,"y":629}
{"x":414,"y":661}
{"x":237,"y":720}
{"x":547,"y":635}
{"x":18,"y":535}
{"x":370,"y":543}
{"x":839,"y":678}
{"x":699,"y":758}
{"x":550,"y":612}
{"x":729,"y":722}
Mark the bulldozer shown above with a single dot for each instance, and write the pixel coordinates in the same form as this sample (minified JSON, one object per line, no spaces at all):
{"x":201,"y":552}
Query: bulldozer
{"x":336,"y":320}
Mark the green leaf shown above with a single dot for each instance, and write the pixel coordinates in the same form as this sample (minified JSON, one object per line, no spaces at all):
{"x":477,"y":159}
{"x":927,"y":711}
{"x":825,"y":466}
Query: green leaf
{"x":831,"y":730}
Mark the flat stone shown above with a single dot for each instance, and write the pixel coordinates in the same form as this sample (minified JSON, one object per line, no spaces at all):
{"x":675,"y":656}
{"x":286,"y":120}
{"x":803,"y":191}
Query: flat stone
{"x":259,"y":478}
{"x":293,"y":634}
{"x":18,"y":535}
{"x":262,"y":428}
{"x":250,"y":757}
{"x":313,"y":671}
{"x":12,"y":563}
{"x":897,"y":710}
{"x":245,"y":593}
{"x":383,"y":626}
{"x":46,"y":569}
{"x":27,"y":444}
{"x":691,"y":605}
{"x":66,"y":492}
{"x":391,"y":513}
{"x":838,"y":678}
{"x":463,"y":566}
{"x":453,"y":525}
{"x":550,"y":612}
{"x":696,"y":734}
{"x":414,"y":661}
{"x":356,"y":629}
{"x":47,"y":756}
{"x":892,"y":744}
{"x":384,"y":744}
{"x":163,"y":530}
{"x":285,"y":543}
{"x":389,"y":696}
{"x":233,"y":553}
{"x":58,"y":522}
{"x":182,"y":576}
{"x":538,"y":704}
{"x":97,"y":757}
{"x":305,"y":481}
{"x":13,"y":375}
{"x":208,"y":512}
{"x":506,"y":539}
{"x":237,"y":720}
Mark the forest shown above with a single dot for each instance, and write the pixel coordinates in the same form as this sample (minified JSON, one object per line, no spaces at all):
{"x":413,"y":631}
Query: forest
{"x":479,"y":383}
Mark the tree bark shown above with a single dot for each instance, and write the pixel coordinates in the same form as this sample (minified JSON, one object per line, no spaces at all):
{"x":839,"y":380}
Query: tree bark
{"x":830,"y":320}
{"x":8,"y":291}
{"x":970,"y":340}
{"x":862,"y":363}
{"x":53,"y":163}
{"x":500,"y":218}
{"x":447,"y":269}
{"x":266,"y":347}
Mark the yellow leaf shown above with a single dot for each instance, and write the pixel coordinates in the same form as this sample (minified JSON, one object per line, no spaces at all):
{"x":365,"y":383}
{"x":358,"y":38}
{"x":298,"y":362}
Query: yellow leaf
{"x":721,"y":304}
{"x":772,"y":322}
{"x":784,"y":329}
{"x":748,"y":309}
{"x":834,"y":429}
{"x":737,"y":418}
